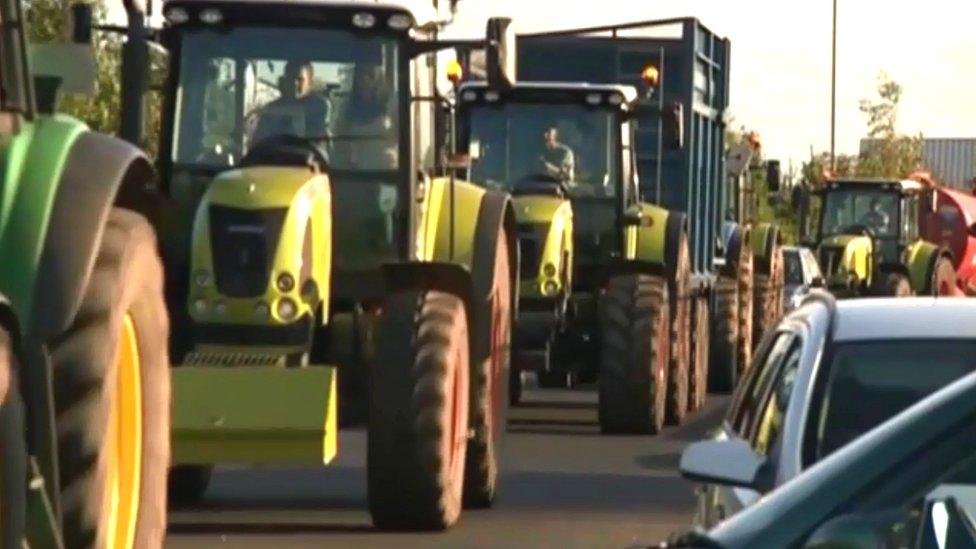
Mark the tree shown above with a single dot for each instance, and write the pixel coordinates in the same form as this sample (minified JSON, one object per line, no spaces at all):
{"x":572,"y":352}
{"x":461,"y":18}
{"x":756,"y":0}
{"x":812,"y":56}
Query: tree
{"x":888,"y":154}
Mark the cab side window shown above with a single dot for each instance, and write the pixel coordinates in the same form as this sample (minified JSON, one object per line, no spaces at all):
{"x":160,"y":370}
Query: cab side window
{"x":751,"y":394}
{"x":770,"y":421}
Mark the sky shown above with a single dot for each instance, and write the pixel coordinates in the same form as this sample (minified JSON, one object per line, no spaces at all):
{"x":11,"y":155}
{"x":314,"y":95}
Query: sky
{"x":781,"y":59}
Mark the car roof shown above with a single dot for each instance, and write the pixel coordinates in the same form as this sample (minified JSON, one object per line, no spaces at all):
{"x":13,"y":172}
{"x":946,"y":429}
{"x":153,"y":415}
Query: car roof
{"x":905,"y":318}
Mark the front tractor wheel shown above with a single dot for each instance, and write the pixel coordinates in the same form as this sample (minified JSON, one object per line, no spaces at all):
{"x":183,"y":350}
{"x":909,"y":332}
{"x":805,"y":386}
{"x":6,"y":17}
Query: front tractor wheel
{"x":111,"y":396}
{"x":943,"y":279}
{"x":635,"y":324}
{"x":723,"y":370}
{"x":896,"y":285}
{"x":488,"y":392}
{"x":418,"y":413}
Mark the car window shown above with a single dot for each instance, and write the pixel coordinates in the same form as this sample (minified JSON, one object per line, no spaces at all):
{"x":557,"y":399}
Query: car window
{"x":754,"y":393}
{"x":770,"y":421}
{"x":870,"y":382}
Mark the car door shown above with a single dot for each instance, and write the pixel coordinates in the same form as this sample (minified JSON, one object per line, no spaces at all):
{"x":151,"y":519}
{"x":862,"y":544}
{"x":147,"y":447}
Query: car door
{"x":748,"y":402}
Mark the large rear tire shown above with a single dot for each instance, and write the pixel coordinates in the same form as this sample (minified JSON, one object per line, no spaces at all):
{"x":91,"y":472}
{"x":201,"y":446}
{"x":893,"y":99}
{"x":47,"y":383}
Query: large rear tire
{"x":488,"y":391}
{"x":723,"y":372}
{"x":13,"y":450}
{"x":635,"y":324}
{"x":746,"y":270}
{"x":418,"y":415}
{"x":111,"y":396}
{"x":680,"y":357}
{"x":698,"y":376}
{"x":768,"y":296}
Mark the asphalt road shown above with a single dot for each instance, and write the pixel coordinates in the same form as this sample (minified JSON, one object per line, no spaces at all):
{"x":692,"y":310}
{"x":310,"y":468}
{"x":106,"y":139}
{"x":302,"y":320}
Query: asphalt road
{"x":564,"y":485}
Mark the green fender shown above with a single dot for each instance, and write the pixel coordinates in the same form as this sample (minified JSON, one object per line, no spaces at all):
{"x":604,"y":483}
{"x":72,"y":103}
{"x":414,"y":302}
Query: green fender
{"x":920,"y":258}
{"x":649,"y":243}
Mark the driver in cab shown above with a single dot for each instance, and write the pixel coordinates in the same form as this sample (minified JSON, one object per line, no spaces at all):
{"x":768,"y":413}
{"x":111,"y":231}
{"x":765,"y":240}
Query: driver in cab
{"x":298,"y":111}
{"x":876,"y":218}
{"x":557,"y":159}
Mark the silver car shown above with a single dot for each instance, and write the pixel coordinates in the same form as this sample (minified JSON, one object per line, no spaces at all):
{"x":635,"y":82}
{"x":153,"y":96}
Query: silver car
{"x":802,"y":273}
{"x":829,"y":372}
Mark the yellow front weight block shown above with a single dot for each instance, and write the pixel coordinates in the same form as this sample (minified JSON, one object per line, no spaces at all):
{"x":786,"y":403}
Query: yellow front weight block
{"x":254,"y":415}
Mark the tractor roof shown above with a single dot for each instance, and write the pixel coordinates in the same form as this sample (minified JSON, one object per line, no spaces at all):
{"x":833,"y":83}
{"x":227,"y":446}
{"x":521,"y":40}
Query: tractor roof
{"x":421,"y":10}
{"x":903,"y":185}
{"x":540,"y":91}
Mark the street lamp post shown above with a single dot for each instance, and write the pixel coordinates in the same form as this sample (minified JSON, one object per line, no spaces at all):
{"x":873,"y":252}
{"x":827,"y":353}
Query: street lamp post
{"x":833,"y":91}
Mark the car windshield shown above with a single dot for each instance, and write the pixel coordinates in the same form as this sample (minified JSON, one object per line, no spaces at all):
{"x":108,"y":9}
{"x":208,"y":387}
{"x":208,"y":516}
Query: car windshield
{"x":245,"y":84}
{"x":515,"y":143}
{"x":847,"y":209}
{"x":794,"y":267}
{"x":870,"y":382}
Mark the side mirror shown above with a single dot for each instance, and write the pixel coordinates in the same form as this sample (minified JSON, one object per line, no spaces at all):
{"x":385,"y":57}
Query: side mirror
{"x":817,"y":282}
{"x":632,"y":217}
{"x":81,"y":23}
{"x":773,"y":176}
{"x":845,"y":532}
{"x":500,"y":53}
{"x":674,"y":125}
{"x":730,"y":462}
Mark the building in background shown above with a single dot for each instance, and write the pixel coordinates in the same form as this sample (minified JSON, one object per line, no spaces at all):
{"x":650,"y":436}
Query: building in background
{"x":952,"y":161}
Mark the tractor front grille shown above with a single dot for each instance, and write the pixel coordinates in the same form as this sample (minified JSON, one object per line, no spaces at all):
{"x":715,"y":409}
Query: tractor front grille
{"x":532,"y":240}
{"x":243,"y":243}
{"x":830,"y":259}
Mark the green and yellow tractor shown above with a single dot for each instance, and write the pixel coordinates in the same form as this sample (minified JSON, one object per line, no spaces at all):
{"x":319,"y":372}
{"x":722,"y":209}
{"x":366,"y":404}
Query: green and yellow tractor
{"x":627,"y":254}
{"x":867,"y":240}
{"x":318,"y":245}
{"x":513,"y":145}
{"x":84,"y":367}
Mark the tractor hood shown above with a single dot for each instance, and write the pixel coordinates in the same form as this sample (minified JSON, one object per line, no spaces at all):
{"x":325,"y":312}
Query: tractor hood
{"x":538,"y":209}
{"x":259,"y":187}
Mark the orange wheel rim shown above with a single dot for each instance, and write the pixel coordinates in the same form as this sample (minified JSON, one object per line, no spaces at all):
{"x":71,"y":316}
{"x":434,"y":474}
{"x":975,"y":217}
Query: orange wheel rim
{"x":123,"y":443}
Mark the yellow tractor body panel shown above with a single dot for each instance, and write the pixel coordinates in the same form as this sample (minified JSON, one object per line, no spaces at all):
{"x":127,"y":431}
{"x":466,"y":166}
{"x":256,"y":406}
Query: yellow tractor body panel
{"x":552,"y":217}
{"x":306,"y":199}
{"x":254,"y":415}
{"x":434,"y":240}
{"x":854,"y":263}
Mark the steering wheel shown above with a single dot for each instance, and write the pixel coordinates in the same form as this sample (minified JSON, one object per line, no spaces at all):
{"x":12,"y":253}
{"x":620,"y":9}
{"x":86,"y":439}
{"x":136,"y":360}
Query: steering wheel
{"x":858,"y":229}
{"x":289,"y":150}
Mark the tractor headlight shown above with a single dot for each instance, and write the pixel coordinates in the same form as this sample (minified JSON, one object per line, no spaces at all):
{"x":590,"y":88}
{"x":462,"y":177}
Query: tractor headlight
{"x":201,"y":279}
{"x":177,"y":16}
{"x":364,"y":20}
{"x":400,"y":22}
{"x":220,"y":308}
{"x":211,"y":17}
{"x":549,"y":270}
{"x":549,"y":288}
{"x":285,"y":283}
{"x":201,"y":306}
{"x":262,"y":311}
{"x":287,"y":309}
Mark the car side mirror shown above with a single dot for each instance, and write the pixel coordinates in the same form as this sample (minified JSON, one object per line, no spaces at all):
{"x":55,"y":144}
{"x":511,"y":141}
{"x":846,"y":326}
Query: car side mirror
{"x":500,"y":53}
{"x":673,"y":119}
{"x":729,"y":462}
{"x":817,"y":282}
{"x":846,"y":532}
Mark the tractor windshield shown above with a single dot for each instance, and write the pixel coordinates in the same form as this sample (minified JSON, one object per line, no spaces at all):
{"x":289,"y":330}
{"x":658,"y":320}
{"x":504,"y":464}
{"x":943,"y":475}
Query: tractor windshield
{"x":516,"y":143}
{"x":240,"y":86}
{"x":848,"y":209}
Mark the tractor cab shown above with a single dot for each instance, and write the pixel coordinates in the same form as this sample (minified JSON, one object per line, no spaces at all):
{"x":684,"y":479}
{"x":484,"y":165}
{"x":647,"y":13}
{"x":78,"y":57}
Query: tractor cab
{"x":864,"y":233}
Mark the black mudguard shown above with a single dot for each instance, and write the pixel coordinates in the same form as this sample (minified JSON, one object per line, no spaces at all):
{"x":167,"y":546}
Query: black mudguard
{"x":100,"y":172}
{"x":496,"y":212}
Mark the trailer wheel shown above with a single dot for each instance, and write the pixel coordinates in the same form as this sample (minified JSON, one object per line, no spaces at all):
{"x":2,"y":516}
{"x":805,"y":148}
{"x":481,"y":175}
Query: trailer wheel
{"x":943,"y":280}
{"x":111,"y":396}
{"x":418,"y":416}
{"x":896,"y":285}
{"x":13,"y":450}
{"x":746,"y":269}
{"x":635,"y":325}
{"x":723,"y":372}
{"x":488,"y":404}
{"x":698,"y":374}
{"x":678,"y":364}
{"x":768,"y":297}
{"x":188,"y":483}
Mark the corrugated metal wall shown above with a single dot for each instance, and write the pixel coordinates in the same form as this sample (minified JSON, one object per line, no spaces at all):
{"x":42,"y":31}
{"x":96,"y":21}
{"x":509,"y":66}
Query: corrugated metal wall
{"x":951,"y":161}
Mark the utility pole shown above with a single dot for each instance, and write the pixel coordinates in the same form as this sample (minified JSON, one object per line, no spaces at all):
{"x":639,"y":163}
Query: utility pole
{"x":833,"y":92}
